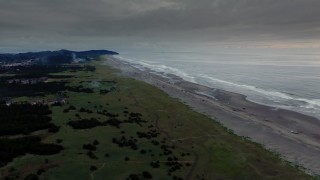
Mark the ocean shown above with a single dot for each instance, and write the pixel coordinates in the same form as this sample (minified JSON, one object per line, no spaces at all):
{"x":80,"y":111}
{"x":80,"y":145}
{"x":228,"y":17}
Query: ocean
{"x":281,"y":78}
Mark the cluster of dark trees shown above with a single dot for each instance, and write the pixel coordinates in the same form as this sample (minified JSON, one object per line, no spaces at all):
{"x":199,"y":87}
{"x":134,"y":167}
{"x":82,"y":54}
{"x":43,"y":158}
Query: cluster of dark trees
{"x":108,"y":81}
{"x":43,"y":69}
{"x":167,"y":149}
{"x":70,"y":108}
{"x":135,"y":118}
{"x":173,"y":163}
{"x":79,"y":89}
{"x":25,"y":119}
{"x":125,"y":142}
{"x":11,"y":148}
{"x":143,"y":175}
{"x":106,"y":91}
{"x":107,"y":114}
{"x":152,"y":133}
{"x":85,"y":110}
{"x":177,"y":178}
{"x":93,"y":122}
{"x":91,"y":147}
{"x":35,"y":75}
{"x":91,"y":155}
{"x":31,"y":177}
{"x":113,"y":122}
{"x":38,"y":89}
{"x":155,"y":164}
{"x":16,"y":89}
{"x":31,"y":90}
{"x":84,"y":123}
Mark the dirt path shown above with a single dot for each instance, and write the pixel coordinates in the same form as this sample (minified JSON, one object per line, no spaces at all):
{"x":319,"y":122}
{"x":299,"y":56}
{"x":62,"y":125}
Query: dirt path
{"x":92,"y":174}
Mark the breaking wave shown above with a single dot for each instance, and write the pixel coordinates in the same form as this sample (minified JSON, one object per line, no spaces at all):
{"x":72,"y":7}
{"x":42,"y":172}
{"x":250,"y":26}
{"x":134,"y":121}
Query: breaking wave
{"x":274,"y":96}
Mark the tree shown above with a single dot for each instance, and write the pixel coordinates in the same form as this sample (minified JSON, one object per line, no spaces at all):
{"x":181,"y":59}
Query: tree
{"x":31,"y":177}
{"x":93,"y":168}
{"x":146,"y":175}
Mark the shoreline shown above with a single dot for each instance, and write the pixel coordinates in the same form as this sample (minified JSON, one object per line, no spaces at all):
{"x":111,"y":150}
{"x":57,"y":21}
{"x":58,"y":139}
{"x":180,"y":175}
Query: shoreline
{"x":295,"y":136}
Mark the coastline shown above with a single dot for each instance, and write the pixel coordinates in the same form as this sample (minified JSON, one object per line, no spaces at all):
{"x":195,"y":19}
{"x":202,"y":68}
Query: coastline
{"x":296,"y":137}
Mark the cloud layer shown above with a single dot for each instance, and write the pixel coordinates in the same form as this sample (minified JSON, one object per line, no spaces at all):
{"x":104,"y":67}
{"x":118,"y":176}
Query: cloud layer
{"x":60,"y":23}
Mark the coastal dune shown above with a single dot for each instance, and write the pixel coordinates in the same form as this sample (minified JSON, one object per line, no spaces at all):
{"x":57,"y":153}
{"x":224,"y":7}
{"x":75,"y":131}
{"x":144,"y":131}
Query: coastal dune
{"x":294,"y":136}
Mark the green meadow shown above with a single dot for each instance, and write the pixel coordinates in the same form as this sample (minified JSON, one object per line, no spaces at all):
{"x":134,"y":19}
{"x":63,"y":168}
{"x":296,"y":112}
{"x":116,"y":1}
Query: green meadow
{"x":142,"y":133}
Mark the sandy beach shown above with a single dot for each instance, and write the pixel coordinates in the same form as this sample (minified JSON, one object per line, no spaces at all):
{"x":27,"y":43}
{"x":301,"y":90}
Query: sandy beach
{"x":296,"y":137}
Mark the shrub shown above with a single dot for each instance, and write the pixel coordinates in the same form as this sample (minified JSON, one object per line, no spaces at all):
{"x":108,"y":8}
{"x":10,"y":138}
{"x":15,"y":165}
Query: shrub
{"x":93,"y":168}
{"x":146,"y":175}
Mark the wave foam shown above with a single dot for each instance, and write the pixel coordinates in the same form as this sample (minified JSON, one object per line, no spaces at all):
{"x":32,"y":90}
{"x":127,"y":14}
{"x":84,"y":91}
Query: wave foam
{"x":158,"y":68}
{"x":277,"y":99}
{"x":274,"y":95}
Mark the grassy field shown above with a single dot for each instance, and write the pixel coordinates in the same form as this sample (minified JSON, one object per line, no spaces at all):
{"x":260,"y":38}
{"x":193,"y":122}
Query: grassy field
{"x":186,"y":144}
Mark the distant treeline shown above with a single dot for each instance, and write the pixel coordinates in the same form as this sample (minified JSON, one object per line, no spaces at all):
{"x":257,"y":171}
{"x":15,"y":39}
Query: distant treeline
{"x":18,"y":119}
{"x":17,"y":89}
{"x":24,"y":119}
{"x":39,"y":89}
{"x":12,"y":148}
{"x":53,"y":57}
{"x":43,"y":69}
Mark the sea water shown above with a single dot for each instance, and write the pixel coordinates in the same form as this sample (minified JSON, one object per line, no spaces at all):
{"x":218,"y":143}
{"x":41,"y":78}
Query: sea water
{"x":283,"y":78}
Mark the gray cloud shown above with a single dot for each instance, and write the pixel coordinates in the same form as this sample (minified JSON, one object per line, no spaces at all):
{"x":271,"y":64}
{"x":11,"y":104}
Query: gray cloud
{"x":34,"y":23}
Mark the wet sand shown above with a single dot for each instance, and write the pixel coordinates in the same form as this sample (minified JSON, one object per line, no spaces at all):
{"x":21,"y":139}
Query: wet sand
{"x":295,"y":136}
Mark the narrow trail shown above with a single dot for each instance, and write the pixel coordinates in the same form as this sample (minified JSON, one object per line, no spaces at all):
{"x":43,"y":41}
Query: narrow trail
{"x":195,"y":161}
{"x":92,"y":174}
{"x":193,"y":166}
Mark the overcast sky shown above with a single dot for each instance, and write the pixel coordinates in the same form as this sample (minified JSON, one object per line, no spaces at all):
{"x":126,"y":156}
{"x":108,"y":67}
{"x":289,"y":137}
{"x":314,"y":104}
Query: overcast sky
{"x":133,"y":24}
